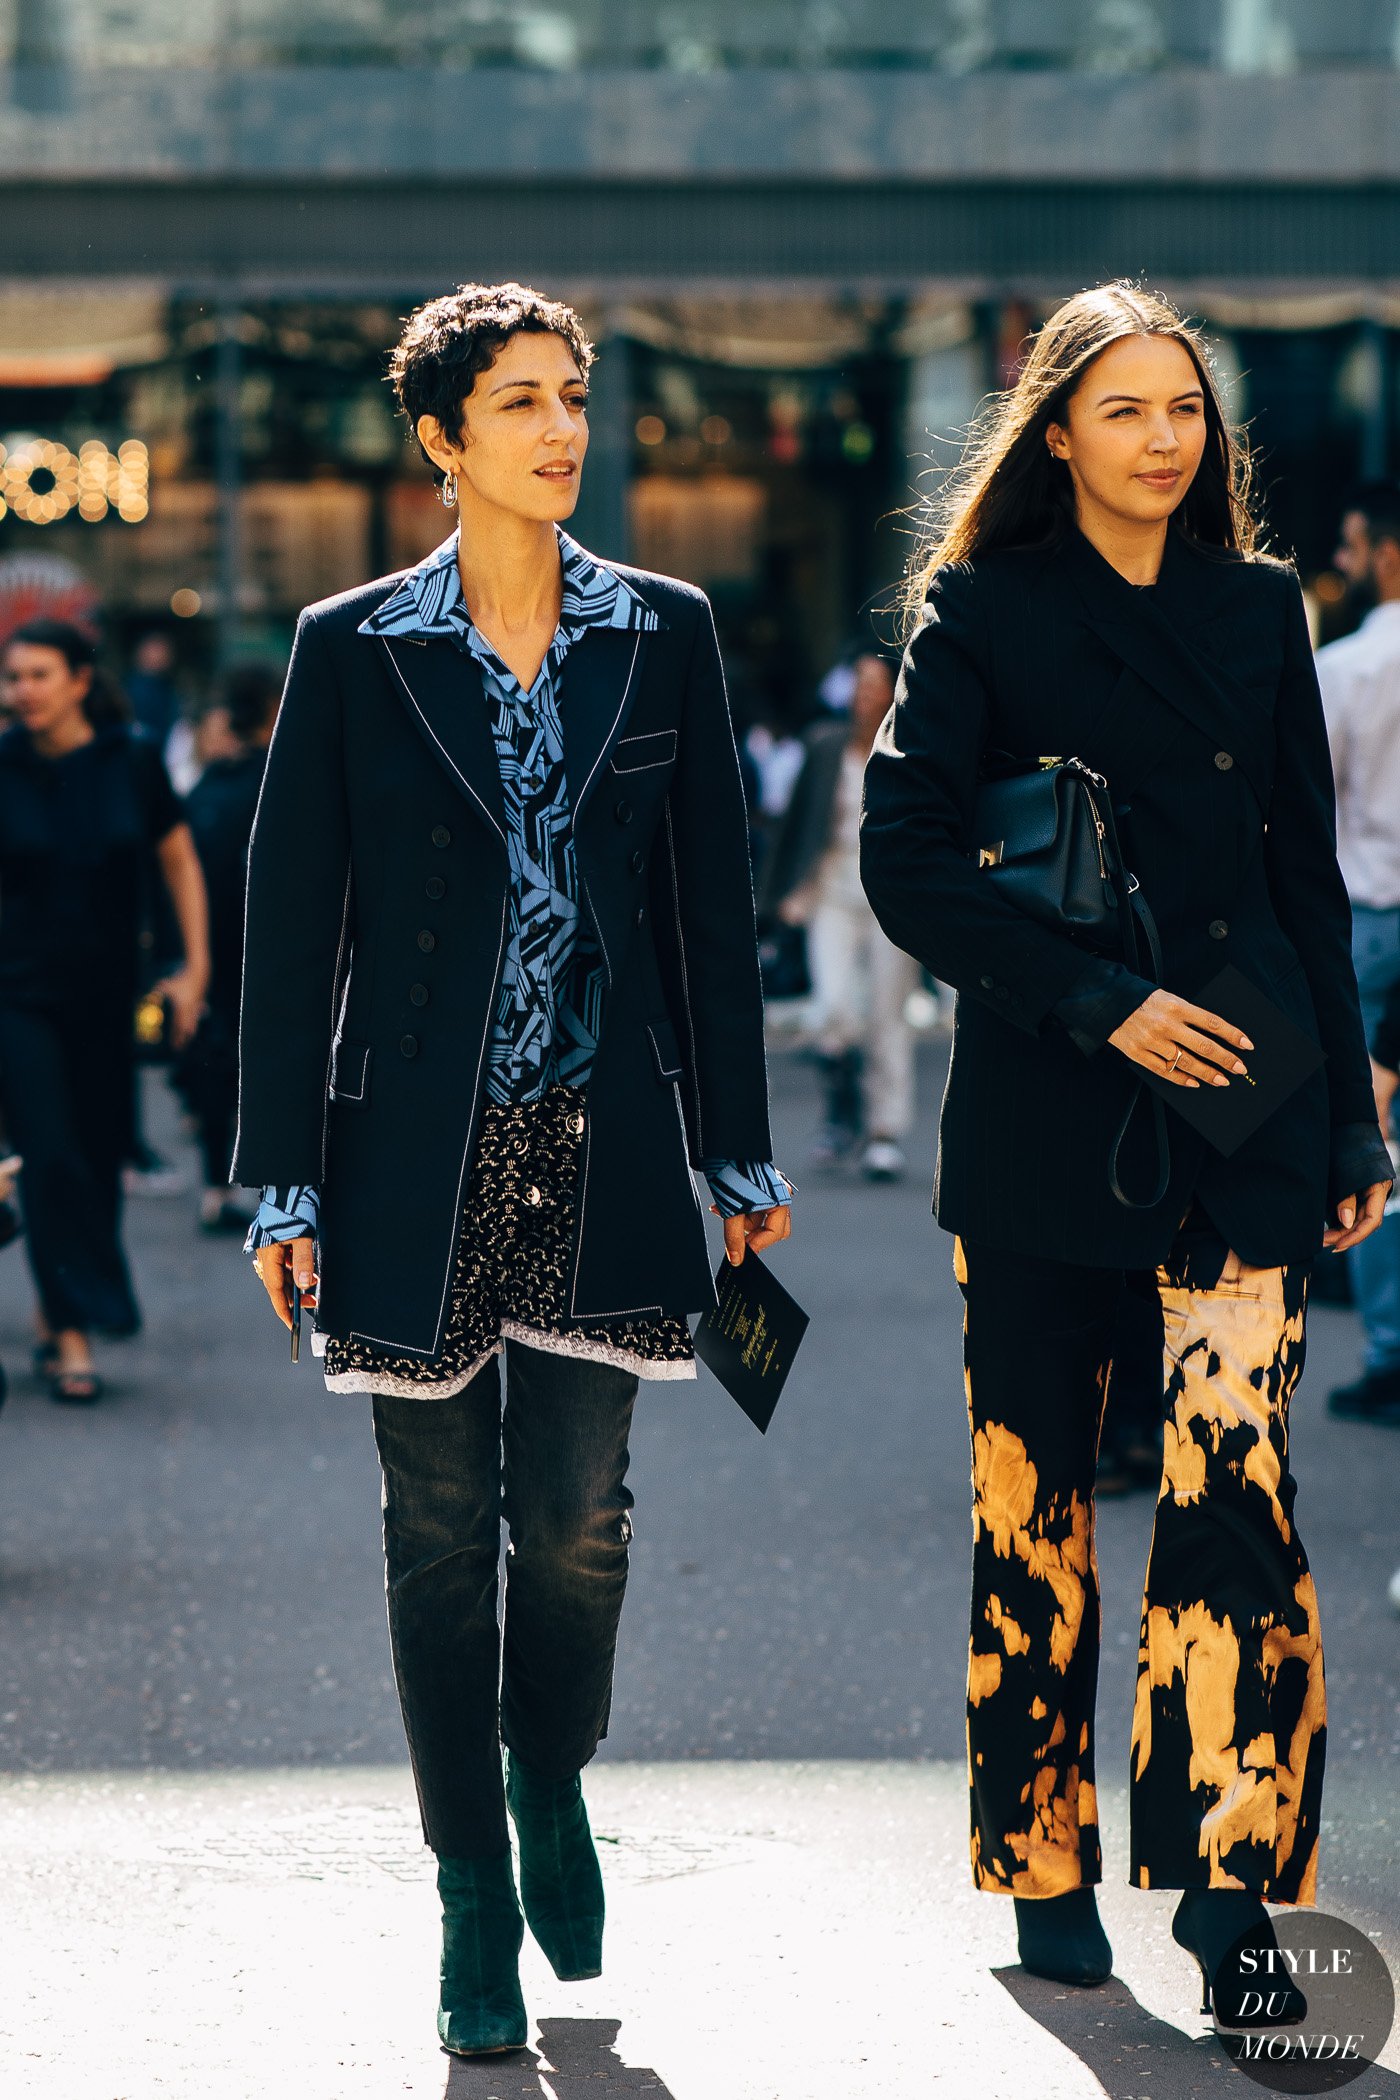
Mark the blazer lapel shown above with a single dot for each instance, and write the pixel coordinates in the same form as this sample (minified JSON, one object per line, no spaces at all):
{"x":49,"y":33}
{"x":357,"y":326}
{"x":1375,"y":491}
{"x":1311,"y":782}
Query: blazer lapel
{"x":441,"y":687}
{"x":1146,"y":631}
{"x":598,"y":682}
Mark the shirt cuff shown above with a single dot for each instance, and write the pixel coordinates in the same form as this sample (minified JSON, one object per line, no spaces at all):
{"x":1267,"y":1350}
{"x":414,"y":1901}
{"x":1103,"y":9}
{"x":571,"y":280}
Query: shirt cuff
{"x":1360,"y":1156}
{"x":745,"y":1184}
{"x":285,"y":1213}
{"x":1098,"y":1002}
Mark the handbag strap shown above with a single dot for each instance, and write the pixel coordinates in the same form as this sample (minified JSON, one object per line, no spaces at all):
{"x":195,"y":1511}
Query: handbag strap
{"x":1132,"y":912}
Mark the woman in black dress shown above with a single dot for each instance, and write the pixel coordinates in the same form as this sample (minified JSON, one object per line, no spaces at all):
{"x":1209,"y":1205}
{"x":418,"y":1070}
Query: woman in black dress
{"x":85,"y":804}
{"x":1093,"y":589}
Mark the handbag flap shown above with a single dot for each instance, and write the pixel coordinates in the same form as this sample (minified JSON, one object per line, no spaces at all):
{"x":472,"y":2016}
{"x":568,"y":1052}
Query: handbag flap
{"x":1021,"y":814}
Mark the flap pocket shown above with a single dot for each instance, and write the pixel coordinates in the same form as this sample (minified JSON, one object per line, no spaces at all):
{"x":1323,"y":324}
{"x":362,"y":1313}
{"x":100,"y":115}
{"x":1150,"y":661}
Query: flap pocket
{"x":666,"y":1049}
{"x":633,"y":754}
{"x":349,"y":1070}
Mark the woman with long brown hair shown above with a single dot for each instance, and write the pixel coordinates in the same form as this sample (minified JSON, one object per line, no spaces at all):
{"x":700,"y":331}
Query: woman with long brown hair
{"x":1091,"y":587}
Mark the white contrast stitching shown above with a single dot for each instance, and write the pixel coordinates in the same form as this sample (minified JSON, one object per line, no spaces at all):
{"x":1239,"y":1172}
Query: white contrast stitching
{"x":621,"y":709}
{"x":341,"y":1093}
{"x":685,"y":982}
{"x":451,"y":762}
{"x":649,"y":764}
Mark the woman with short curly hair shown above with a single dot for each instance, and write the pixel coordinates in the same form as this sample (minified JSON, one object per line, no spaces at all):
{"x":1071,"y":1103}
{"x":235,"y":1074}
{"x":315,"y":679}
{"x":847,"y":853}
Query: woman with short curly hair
{"x":501,"y":998}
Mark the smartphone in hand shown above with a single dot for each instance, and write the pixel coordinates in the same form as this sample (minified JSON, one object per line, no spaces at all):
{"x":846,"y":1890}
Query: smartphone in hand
{"x":296,"y":1324}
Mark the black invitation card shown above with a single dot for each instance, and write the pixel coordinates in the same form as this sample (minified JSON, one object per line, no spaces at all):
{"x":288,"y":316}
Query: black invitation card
{"x":1282,"y":1058}
{"x":749,"y":1339}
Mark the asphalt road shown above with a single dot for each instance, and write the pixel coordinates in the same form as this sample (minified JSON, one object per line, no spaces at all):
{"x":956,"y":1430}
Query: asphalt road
{"x":190,"y":1574}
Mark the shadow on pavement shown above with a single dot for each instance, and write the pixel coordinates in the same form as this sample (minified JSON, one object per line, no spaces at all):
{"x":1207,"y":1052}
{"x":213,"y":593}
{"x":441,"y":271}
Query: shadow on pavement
{"x":576,"y":2061}
{"x":1121,"y":2044}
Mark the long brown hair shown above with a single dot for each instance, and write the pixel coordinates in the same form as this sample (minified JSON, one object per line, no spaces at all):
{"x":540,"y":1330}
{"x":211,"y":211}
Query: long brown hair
{"x":1010,"y":491}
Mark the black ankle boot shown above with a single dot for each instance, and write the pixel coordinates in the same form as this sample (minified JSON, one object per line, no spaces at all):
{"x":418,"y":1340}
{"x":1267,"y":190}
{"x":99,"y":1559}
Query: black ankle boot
{"x":480,"y":2009}
{"x":1210,"y":1924}
{"x":1061,"y":1937}
{"x":561,"y":1884}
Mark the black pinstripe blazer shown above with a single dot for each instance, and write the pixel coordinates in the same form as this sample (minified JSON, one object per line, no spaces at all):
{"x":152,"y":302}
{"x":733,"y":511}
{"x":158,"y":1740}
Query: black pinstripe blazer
{"x":1198,"y":701}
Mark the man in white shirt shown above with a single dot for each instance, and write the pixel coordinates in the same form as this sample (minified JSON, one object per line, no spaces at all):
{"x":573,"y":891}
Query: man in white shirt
{"x":1360,"y":678}
{"x":860,"y":981}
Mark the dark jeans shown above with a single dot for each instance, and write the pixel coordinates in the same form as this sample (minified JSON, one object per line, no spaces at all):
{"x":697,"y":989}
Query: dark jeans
{"x":553,"y":1464}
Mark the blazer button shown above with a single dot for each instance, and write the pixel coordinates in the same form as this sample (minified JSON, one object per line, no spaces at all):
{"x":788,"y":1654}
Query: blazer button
{"x":418,"y":993}
{"x":427,"y":941}
{"x":1002,"y":992}
{"x":987,"y":983}
{"x":408,"y":1044}
{"x":623,"y":812}
{"x":441,"y":835}
{"x":532,"y":1195}
{"x":435,"y":887}
{"x":639,"y":861}
{"x":1224,"y":761}
{"x":576,"y":1125}
{"x":1218,"y":929}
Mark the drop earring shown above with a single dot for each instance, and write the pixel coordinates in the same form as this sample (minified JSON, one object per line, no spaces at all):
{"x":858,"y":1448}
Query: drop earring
{"x":447,"y":493}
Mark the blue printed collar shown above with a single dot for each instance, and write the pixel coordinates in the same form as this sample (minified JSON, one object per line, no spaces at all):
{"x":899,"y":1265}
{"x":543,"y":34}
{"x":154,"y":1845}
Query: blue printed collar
{"x":428,"y":602}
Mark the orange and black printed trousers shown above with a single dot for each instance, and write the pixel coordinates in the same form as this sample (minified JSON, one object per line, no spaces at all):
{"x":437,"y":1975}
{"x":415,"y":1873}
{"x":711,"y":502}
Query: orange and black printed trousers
{"x":1229,"y":1723}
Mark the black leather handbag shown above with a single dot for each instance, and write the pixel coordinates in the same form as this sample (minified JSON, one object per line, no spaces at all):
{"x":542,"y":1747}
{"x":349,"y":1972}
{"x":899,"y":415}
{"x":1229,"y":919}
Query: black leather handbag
{"x":1047,"y":839}
{"x":1048,"y":842}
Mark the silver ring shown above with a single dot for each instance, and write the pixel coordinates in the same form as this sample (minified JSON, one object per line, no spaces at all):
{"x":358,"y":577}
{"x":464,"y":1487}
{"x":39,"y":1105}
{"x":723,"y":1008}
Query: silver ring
{"x":1176,"y":1060}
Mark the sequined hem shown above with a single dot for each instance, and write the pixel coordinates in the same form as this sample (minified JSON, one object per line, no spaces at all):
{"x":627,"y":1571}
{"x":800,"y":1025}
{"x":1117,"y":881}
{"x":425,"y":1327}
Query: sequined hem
{"x":596,"y":1352}
{"x":513,"y":1331}
{"x":513,"y":1268}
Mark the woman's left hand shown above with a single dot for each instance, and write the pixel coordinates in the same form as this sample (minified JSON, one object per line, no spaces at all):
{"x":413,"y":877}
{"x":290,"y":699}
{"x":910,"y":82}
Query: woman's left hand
{"x":757,"y":1229}
{"x":185,"y":991}
{"x":1357,"y":1217}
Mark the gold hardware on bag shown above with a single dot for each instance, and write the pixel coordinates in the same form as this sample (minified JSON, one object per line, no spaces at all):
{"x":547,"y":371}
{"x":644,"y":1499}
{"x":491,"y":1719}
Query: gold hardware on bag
{"x":991,"y":856}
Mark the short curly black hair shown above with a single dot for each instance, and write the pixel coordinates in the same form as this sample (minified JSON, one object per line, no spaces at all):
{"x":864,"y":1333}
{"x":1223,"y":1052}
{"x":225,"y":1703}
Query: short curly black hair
{"x":448,"y":341}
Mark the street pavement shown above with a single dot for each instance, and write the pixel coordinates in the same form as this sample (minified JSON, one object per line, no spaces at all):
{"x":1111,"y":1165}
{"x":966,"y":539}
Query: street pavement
{"x":214,"y":1880}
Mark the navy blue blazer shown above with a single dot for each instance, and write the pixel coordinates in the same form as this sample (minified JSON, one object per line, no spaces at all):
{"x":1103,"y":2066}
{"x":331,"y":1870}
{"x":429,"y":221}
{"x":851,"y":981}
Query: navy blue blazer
{"x":1198,"y":701}
{"x":379,"y":863}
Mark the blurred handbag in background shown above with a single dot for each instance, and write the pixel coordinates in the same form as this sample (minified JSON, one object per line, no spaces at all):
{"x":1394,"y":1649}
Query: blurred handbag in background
{"x":152,"y":1030}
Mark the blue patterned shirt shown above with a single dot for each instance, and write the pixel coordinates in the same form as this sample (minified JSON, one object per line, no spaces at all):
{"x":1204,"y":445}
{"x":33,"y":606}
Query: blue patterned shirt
{"x":549,"y":1005}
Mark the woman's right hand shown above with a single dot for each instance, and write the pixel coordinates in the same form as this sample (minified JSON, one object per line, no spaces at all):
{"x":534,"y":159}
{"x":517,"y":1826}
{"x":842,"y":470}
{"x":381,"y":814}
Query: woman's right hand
{"x":282,"y":1263}
{"x":1178,"y":1041}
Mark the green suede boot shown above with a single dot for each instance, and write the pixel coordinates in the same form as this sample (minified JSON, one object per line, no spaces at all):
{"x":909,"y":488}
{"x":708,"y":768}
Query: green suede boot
{"x":561,"y":1885}
{"x":481,"y":2011}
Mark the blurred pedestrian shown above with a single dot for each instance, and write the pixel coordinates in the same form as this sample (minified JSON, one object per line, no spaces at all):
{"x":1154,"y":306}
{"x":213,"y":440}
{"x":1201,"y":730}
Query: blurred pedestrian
{"x":860,"y":981}
{"x":1360,"y":680}
{"x":499,"y":886}
{"x":1376,"y":1399}
{"x":151,"y":686}
{"x":220,"y":807}
{"x":84,"y":804}
{"x":1090,"y":587}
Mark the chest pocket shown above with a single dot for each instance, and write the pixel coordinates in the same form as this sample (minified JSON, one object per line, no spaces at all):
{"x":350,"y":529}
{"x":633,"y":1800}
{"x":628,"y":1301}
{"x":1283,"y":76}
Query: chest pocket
{"x":637,"y":754}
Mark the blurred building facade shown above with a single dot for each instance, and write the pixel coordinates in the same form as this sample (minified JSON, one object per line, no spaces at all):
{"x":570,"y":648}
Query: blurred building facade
{"x":808,"y":236}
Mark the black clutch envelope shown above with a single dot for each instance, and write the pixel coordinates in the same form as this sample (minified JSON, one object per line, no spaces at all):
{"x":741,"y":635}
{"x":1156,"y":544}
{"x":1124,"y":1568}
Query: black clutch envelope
{"x":749,"y":1339}
{"x":1282,"y":1058}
